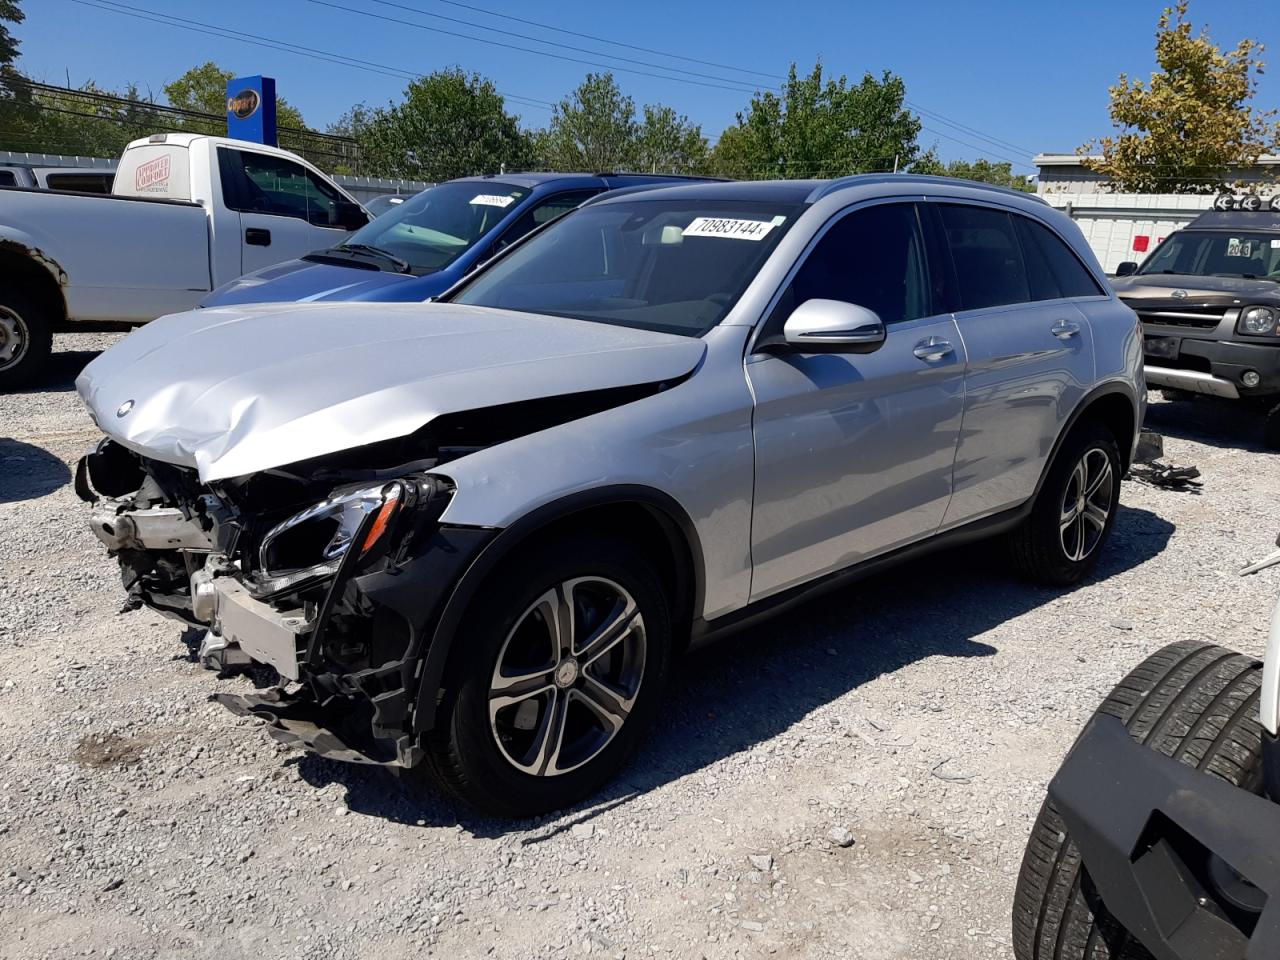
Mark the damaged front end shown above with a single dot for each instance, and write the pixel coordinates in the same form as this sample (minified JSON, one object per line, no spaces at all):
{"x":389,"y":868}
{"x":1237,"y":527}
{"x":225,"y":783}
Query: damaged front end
{"x":331,"y":571}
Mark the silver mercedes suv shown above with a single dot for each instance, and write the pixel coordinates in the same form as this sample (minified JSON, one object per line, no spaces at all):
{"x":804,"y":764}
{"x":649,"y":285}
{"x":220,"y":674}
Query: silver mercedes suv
{"x":471,"y":535}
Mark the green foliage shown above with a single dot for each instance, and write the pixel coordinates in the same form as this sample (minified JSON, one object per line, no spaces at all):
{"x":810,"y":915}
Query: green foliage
{"x":999,"y":173}
{"x":450,"y":124}
{"x":10,"y":12}
{"x":667,"y":142}
{"x":820,"y":128}
{"x":1182,"y":131}
{"x":204,"y":89}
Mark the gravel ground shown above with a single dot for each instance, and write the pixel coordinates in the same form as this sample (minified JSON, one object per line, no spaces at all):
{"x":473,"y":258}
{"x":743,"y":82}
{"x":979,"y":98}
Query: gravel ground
{"x":854,"y":780}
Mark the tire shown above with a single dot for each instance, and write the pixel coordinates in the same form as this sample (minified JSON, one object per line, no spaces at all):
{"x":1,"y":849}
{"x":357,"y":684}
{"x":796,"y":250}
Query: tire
{"x":1192,"y":701}
{"x":26,"y":339}
{"x":1045,"y":550}
{"x":1271,"y":428}
{"x":492,"y":760}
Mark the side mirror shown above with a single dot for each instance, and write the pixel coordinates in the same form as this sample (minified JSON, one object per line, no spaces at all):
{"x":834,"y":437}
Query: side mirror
{"x":833,"y":326}
{"x":349,"y":215}
{"x":1127,"y":269}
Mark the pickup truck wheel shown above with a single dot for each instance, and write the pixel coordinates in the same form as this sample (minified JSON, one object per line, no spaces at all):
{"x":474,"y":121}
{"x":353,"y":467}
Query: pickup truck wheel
{"x":1271,"y":428}
{"x":26,"y":339}
{"x":559,"y":672}
{"x":1192,"y":701}
{"x":1072,"y":517}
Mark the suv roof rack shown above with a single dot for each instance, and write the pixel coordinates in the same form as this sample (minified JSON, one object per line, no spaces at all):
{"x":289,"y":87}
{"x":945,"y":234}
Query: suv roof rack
{"x":863,"y":179}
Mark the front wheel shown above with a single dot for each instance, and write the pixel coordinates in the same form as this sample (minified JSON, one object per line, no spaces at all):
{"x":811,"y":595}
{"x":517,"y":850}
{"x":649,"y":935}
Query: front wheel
{"x":555,"y":679}
{"x":1072,"y":517}
{"x":26,"y":339}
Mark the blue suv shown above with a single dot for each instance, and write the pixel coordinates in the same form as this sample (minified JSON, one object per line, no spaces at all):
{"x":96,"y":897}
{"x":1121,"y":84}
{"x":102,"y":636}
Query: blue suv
{"x":428,"y":243}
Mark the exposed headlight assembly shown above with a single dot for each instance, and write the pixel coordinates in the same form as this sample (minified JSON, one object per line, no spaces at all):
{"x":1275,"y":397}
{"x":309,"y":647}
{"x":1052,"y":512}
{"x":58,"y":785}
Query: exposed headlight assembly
{"x":311,"y":544}
{"x":1258,"y":321}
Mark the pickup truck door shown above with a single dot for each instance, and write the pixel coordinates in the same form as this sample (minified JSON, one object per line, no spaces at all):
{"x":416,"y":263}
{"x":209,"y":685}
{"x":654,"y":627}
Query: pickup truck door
{"x":854,"y":451}
{"x":285,"y":209}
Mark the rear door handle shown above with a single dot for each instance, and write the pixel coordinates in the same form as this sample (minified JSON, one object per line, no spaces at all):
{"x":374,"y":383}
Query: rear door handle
{"x":933,"y":348}
{"x":1065,"y":329}
{"x":257,"y":237}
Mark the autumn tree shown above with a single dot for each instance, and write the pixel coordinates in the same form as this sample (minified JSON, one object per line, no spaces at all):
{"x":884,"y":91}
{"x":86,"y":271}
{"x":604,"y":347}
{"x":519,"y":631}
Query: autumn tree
{"x":820,"y":127}
{"x":1183,"y":130}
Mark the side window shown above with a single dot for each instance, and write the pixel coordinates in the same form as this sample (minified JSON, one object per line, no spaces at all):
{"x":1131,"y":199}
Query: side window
{"x":259,"y":183}
{"x":1053,"y":270}
{"x":872,"y":257}
{"x":542,"y":212}
{"x":989,"y":267}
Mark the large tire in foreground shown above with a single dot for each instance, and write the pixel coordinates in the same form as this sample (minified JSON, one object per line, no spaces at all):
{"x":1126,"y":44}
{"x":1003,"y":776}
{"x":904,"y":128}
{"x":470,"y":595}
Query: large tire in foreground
{"x":1192,"y":701}
{"x":26,"y":339}
{"x":1072,"y":517}
{"x":557,"y":672}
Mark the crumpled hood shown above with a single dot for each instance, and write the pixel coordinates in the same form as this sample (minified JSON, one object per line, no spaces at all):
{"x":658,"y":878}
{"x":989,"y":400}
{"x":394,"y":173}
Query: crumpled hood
{"x":1160,"y":285}
{"x":307,"y":281}
{"x":232,"y":391}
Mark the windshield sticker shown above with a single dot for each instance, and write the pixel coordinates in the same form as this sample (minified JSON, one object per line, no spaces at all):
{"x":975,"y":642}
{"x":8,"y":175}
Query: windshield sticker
{"x":725,"y":227}
{"x":1275,"y":244}
{"x":493,"y":200}
{"x":1239,"y":248}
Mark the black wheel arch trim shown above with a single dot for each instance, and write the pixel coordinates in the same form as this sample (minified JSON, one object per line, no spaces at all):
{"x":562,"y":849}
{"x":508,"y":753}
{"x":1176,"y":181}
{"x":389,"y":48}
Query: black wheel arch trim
{"x":674,"y":519}
{"x":1110,"y":388}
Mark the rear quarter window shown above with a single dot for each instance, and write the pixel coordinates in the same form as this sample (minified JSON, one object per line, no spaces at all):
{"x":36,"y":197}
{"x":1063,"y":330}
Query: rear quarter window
{"x":1053,"y":270}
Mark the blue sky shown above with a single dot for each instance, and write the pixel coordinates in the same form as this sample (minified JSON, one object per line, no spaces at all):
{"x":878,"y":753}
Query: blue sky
{"x":1032,"y":76}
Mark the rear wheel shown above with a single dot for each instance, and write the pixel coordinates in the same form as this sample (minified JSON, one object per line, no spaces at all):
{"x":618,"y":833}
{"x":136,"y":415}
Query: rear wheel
{"x":26,"y":339}
{"x":560,"y":672}
{"x":1192,"y":701}
{"x":1060,"y":542}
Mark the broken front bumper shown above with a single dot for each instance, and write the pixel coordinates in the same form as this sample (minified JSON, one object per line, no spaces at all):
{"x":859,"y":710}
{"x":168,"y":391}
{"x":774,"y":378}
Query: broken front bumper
{"x":1147,"y":828}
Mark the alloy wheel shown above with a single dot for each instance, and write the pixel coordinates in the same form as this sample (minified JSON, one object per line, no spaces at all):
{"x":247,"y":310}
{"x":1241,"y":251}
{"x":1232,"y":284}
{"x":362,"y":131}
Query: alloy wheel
{"x":14,"y":340}
{"x":1086,"y":504}
{"x":567,"y":676}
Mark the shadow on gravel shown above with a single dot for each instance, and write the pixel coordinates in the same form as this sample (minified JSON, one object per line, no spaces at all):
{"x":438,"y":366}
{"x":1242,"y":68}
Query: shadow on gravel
{"x":1217,"y":423}
{"x":28,"y":472}
{"x":751,"y":686}
{"x":61,"y":371}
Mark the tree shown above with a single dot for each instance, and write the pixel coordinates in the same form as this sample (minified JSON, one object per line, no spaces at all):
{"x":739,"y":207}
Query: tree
{"x":999,"y":173}
{"x":820,"y":128}
{"x":10,"y":12}
{"x":1185,"y":128}
{"x":667,"y":142}
{"x":204,"y":89}
{"x":450,"y":124}
{"x":593,"y":129}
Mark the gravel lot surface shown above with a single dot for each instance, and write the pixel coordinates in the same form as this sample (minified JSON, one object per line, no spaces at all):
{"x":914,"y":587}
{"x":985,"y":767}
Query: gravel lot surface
{"x":854,"y":780}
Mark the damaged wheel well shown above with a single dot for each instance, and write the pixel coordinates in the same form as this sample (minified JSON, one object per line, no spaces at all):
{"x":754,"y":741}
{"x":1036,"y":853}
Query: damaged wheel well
{"x":28,"y":275}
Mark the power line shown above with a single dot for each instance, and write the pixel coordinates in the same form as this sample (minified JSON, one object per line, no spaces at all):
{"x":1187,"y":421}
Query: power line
{"x":540,"y":53}
{"x":552,"y":43}
{"x":615,"y":43}
{"x":996,"y":141}
{"x":225,"y":33}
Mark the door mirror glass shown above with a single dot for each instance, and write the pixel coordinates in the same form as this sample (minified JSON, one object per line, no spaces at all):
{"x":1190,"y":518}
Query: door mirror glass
{"x":348,"y":215}
{"x":833,"y":326}
{"x":1127,"y":269}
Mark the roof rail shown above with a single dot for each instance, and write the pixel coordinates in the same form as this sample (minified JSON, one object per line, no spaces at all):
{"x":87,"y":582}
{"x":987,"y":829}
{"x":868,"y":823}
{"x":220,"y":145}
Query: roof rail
{"x":866,"y":179}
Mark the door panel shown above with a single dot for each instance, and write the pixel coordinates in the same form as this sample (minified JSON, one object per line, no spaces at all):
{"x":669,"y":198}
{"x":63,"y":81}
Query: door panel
{"x":1024,"y":380}
{"x":854,"y":452}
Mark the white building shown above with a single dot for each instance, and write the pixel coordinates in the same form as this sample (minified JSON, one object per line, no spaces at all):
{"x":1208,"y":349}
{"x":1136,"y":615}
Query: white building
{"x":1128,"y":226}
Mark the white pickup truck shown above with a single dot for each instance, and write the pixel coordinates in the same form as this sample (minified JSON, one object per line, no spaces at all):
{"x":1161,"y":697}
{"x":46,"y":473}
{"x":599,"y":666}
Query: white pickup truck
{"x":186,"y":214}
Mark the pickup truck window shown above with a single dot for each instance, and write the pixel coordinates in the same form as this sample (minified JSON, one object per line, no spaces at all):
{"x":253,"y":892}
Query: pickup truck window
{"x":259,"y":183}
{"x":8,"y":179}
{"x":1229,"y":253}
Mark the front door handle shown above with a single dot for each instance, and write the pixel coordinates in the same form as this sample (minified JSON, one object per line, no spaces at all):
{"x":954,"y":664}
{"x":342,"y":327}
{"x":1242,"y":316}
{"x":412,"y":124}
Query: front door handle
{"x":1065,"y":329}
{"x":257,"y":237}
{"x":933,"y":348}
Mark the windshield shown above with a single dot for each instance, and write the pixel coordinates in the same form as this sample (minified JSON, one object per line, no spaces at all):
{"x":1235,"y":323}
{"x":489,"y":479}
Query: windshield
{"x":431,"y":230}
{"x":668,"y":266}
{"x":1250,"y":256}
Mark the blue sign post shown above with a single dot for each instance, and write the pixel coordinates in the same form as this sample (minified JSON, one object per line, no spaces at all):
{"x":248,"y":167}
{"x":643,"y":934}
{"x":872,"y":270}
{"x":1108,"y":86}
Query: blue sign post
{"x":251,"y":109}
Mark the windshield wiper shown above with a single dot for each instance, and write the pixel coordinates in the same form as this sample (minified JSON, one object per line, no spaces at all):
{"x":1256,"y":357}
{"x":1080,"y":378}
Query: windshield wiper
{"x":402,"y":266}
